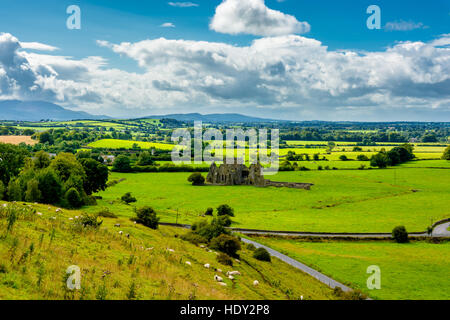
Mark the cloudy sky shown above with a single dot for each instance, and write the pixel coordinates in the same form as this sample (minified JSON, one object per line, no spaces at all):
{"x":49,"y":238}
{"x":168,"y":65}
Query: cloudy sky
{"x":284,"y":59}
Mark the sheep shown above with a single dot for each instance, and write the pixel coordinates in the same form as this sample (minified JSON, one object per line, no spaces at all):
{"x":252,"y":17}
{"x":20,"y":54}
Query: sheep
{"x":223,"y":284}
{"x":207,"y":266}
{"x":148,"y":249}
{"x":218,"y":279}
{"x":256,"y":283}
{"x":188,"y":263}
{"x":117,"y":225}
{"x":170,"y":250}
{"x":58,"y":210}
{"x":5,"y":205}
{"x":233,"y":273}
{"x":128,"y":235}
{"x":39,"y":213}
{"x":230,"y":277}
{"x":71,"y":219}
{"x":219,"y":270}
{"x":121,"y":232}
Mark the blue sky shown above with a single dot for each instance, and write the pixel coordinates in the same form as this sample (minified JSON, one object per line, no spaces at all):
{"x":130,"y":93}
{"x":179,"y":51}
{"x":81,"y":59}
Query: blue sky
{"x":337,"y":25}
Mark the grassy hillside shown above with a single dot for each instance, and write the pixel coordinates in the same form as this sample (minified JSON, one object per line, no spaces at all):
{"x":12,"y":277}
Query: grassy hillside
{"x":418,"y":270}
{"x":36,"y":252}
{"x":339,"y":201}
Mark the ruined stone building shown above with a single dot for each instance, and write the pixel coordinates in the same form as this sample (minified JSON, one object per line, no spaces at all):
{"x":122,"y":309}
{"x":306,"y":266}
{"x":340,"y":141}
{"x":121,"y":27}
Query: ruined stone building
{"x":240,"y":174}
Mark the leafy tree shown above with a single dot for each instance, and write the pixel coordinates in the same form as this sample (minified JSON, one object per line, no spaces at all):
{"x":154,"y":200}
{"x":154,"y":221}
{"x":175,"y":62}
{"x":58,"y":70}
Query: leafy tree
{"x":147,"y":217}
{"x":73,"y":198}
{"x":50,"y":186}
{"x":225,"y":210}
{"x":145,"y":159}
{"x":226,"y":244}
{"x":41,"y":160}
{"x":446,"y":155}
{"x":362,"y":157}
{"x":46,"y":137}
{"x":2,"y":190}
{"x":128,"y":198}
{"x":122,"y":164}
{"x":343,"y":157}
{"x":197,"y":179}
{"x":14,"y":191}
{"x":400,"y":234}
{"x":209,"y":212}
{"x":380,"y":160}
{"x":12,"y":160}
{"x":66,"y":164}
{"x":97,"y":175}
{"x":33,"y":194}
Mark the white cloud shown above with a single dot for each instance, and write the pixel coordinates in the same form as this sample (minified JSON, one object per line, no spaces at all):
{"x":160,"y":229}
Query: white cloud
{"x":254,"y":17}
{"x":183,"y":4}
{"x":404,"y":26}
{"x":293,"y":74}
{"x":168,"y":25}
{"x":38,"y":46}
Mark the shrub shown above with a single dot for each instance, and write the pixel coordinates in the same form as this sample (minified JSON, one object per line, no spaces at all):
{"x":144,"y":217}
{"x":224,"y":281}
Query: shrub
{"x":209,"y":230}
{"x":226,"y":244}
{"x":147,"y":217}
{"x":362,"y":157}
{"x":209,"y":212}
{"x":224,"y":259}
{"x":87,"y":220}
{"x":400,"y":234}
{"x":225,"y":221}
{"x":225,"y":210}
{"x":194,"y":238}
{"x":128,"y":198}
{"x":73,"y":198}
{"x":343,"y":157}
{"x":446,"y":155}
{"x":106,"y":213}
{"x":197,"y":179}
{"x":262,"y":255}
{"x":250,"y":247}
{"x":122,"y":164}
{"x":351,"y":295}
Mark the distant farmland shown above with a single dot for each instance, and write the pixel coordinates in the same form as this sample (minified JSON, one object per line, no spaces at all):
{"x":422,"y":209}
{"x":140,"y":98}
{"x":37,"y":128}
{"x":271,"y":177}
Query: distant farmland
{"x":17,"y":140}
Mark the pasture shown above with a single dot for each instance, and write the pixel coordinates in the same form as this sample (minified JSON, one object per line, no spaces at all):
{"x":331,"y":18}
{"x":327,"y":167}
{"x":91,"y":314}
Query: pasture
{"x":340,"y":200}
{"x":17,"y":140}
{"x":412,"y":271}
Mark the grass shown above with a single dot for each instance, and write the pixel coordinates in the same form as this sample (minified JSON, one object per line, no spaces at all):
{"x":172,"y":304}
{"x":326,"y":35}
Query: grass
{"x":340,"y":200}
{"x":418,"y":270}
{"x":36,"y":253}
{"x":128,"y":144}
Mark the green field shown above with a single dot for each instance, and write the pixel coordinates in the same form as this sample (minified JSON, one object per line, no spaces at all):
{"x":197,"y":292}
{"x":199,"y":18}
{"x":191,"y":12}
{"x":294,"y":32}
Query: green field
{"x":340,"y":201}
{"x":111,"y":263}
{"x":128,"y":144}
{"x":418,"y":270}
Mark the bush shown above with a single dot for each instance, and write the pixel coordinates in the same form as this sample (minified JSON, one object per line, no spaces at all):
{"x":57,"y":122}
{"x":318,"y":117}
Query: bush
{"x":128,"y":198}
{"x":87,"y":220}
{"x":147,"y":217}
{"x":106,"y":213}
{"x":400,"y":234}
{"x":225,"y":210}
{"x":194,"y":238}
{"x":73,"y":198}
{"x":224,"y":259}
{"x":209,"y":212}
{"x":343,"y":157}
{"x":250,"y":247}
{"x":262,"y":254}
{"x":197,"y":179}
{"x":122,"y":164}
{"x":362,"y":157}
{"x":209,"y":230}
{"x":225,"y":221}
{"x":446,"y":155}
{"x":226,"y":244}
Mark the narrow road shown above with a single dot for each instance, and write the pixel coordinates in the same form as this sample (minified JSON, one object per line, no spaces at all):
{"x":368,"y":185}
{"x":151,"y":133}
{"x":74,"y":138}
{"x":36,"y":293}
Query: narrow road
{"x":441,"y":230}
{"x":314,"y":273}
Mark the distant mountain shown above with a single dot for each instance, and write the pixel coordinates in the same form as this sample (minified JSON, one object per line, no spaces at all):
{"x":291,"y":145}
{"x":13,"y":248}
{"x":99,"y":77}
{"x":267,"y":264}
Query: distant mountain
{"x":212,"y":118}
{"x":38,"y":110}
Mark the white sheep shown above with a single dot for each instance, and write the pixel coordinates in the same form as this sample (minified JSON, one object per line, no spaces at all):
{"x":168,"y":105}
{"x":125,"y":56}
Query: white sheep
{"x":58,"y":210}
{"x":207,"y":266}
{"x":230,"y":277}
{"x":218,"y":279}
{"x":188,"y":263}
{"x":223,"y":284}
{"x":233,"y":273}
{"x":71,"y":219}
{"x":170,"y":250}
{"x":148,"y":249}
{"x":39,"y":213}
{"x":219,"y":270}
{"x":121,"y":232}
{"x":255,"y":283}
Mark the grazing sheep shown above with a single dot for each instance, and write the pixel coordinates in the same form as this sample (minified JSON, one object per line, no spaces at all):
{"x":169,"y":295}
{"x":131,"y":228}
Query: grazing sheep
{"x":233,"y":273}
{"x":256,"y":283}
{"x":148,"y":249}
{"x":207,"y":266}
{"x":128,"y":235}
{"x":231,"y":277}
{"x":237,"y":260}
{"x":117,"y":225}
{"x":188,"y":263}
{"x":54,"y":218}
{"x":70,"y":219}
{"x":39,"y":213}
{"x":121,"y":232}
{"x":219,"y":270}
{"x":170,"y":250}
{"x":58,"y":210}
{"x":5,"y":205}
{"x":223,"y":284}
{"x":202,"y":246}
{"x":218,"y":279}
